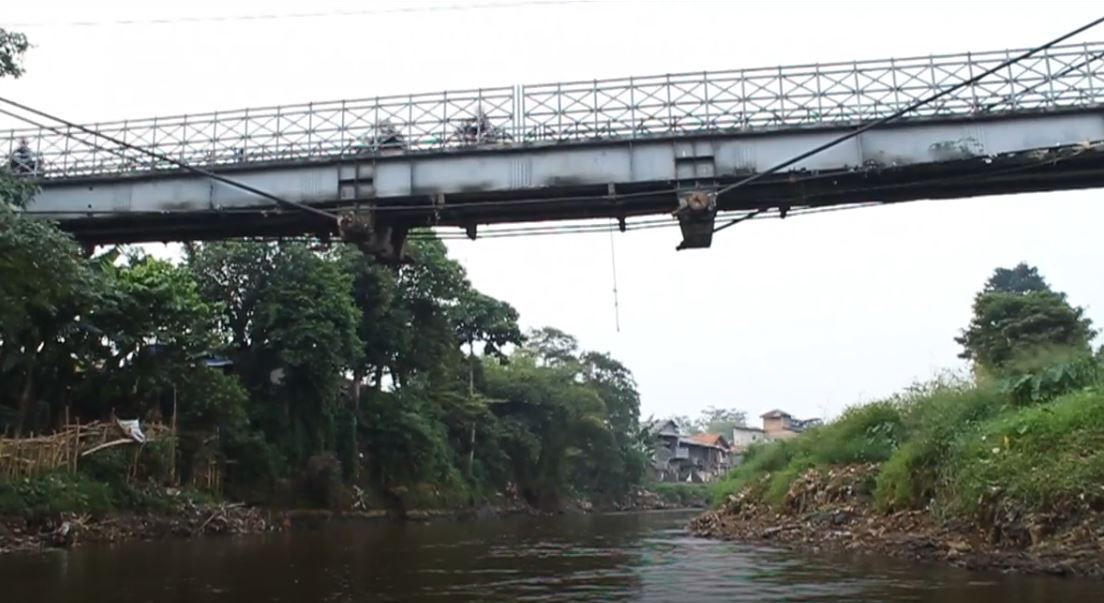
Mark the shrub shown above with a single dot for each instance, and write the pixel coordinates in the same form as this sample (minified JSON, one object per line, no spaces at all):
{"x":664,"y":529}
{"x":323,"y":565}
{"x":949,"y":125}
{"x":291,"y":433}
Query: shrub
{"x":682,"y":494}
{"x":55,"y":493}
{"x":933,"y":416}
{"x":1033,"y":459}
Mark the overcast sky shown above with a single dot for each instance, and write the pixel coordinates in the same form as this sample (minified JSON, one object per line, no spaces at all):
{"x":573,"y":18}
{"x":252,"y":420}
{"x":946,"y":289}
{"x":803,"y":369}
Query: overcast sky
{"x":808,"y":315}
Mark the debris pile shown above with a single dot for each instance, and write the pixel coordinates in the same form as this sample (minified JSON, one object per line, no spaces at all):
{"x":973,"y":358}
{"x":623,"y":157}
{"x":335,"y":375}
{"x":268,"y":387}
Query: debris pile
{"x":187,"y":519}
{"x":832,"y":510}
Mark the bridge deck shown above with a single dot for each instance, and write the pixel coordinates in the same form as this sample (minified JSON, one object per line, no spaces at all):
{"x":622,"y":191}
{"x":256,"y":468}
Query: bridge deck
{"x":442,"y":157}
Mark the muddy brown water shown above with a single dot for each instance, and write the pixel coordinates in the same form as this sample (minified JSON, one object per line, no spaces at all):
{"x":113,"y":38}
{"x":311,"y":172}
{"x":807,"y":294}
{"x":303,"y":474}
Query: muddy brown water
{"x":615,"y":557}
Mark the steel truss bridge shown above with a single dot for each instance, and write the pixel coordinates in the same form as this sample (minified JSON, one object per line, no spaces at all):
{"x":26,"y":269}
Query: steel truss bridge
{"x":616,"y":148}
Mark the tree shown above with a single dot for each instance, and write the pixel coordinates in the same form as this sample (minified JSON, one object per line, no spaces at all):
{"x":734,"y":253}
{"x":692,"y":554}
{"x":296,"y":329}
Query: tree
{"x":292,"y":328}
{"x":378,"y":299}
{"x":484,"y":319}
{"x":552,"y":346}
{"x":721,"y":420}
{"x":615,"y":385}
{"x":1018,"y":313}
{"x":146,"y":332}
{"x":46,"y":288}
{"x":1021,"y":279}
{"x":13,"y":45}
{"x":232,"y":276}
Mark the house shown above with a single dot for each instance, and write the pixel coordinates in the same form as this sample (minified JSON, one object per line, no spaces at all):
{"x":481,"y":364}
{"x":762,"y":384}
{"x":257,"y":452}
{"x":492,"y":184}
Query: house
{"x":777,"y":425}
{"x":781,"y":425}
{"x":742,"y":437}
{"x":714,"y":451}
{"x":698,"y":458}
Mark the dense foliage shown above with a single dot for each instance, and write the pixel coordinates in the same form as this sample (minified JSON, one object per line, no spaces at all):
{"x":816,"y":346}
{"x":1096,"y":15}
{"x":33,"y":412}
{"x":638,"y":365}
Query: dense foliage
{"x":1022,"y":434}
{"x":411,"y":380}
{"x":720,"y":421}
{"x":1017,"y":312}
{"x":301,"y":370}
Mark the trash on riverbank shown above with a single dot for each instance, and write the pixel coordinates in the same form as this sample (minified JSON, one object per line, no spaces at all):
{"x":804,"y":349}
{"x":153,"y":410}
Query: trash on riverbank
{"x":832,"y":510}
{"x":64,"y":530}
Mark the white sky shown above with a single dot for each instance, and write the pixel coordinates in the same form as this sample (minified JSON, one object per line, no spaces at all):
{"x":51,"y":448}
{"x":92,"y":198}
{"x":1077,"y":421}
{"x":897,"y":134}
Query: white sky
{"x":809,"y":315}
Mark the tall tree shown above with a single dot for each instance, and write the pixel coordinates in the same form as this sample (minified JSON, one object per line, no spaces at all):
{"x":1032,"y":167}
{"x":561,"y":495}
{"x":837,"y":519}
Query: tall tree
{"x":721,"y":420}
{"x":46,"y":288}
{"x":1020,"y":279}
{"x":1017,"y":312}
{"x":13,"y":45}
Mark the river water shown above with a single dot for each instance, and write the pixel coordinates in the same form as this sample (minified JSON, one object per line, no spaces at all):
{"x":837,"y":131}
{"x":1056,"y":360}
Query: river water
{"x":616,"y":557}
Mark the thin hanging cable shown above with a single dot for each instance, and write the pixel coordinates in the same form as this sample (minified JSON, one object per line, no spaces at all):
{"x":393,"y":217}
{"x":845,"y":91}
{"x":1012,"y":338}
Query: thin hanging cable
{"x":613,"y":265}
{"x":898,"y":114}
{"x":162,"y":157}
{"x":306,"y":15}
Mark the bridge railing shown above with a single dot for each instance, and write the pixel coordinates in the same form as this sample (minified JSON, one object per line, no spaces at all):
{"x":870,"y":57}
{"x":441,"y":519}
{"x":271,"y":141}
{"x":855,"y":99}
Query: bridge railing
{"x":740,"y":100}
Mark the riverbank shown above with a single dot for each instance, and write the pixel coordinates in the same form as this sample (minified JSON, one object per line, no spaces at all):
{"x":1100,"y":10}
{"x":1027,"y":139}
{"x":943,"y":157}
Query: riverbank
{"x":833,"y":510}
{"x":67,"y":530}
{"x":184,"y":517}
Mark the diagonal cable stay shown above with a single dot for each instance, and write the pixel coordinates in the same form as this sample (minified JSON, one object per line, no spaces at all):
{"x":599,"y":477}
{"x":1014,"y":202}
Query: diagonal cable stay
{"x":898,"y":114}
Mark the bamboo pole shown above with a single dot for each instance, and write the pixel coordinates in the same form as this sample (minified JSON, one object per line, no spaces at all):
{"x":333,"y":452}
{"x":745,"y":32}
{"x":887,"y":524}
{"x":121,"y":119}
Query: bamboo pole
{"x":172,"y":443}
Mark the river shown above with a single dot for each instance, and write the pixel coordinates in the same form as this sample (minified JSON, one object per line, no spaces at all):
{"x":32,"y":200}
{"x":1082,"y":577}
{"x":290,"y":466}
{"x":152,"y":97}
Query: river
{"x":614,"y":557}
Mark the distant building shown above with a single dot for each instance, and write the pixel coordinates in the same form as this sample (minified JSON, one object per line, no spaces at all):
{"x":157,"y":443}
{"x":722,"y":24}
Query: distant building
{"x":777,"y":425}
{"x":742,"y":437}
{"x":697,"y":458}
{"x":781,"y":425}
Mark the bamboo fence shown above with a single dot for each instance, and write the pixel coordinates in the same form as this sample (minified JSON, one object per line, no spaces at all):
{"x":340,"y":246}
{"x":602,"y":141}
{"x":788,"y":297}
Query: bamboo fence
{"x":35,"y":455}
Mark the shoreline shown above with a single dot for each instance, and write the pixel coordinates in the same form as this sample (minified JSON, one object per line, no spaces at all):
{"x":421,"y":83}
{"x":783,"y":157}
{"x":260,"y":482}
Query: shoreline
{"x":931,"y":544}
{"x":70,"y":530}
{"x":1050,"y":544}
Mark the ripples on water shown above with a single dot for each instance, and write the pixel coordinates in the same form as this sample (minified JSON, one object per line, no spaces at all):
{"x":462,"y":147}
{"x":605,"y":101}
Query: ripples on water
{"x":623,"y":557}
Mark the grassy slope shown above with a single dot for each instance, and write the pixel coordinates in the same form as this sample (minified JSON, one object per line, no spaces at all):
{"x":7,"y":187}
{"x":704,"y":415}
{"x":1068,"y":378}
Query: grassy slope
{"x":956,"y":448}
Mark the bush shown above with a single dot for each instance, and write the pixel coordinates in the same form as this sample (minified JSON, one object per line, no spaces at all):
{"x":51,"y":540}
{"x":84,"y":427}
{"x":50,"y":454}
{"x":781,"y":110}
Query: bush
{"x":1043,"y":375}
{"x":862,"y":434}
{"x":759,"y":460}
{"x":1033,"y":459}
{"x":55,"y":493}
{"x":685,"y":495}
{"x":933,"y":416}
{"x":321,"y":483}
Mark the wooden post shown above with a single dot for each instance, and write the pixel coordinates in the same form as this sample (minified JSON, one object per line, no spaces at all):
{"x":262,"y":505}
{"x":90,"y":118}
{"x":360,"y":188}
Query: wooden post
{"x":471,"y":450}
{"x":76,"y":445}
{"x":172,"y":443}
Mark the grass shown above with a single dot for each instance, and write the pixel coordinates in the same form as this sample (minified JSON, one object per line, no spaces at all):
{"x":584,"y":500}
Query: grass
{"x":101,"y":485}
{"x":1037,"y":458}
{"x":55,"y":493}
{"x":862,"y":434}
{"x":1032,"y":440}
{"x":682,"y":494}
{"x":83,"y":493}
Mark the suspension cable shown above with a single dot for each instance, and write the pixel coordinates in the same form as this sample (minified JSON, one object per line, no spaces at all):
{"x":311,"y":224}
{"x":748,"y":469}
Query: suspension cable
{"x":898,"y":114}
{"x":162,"y":157}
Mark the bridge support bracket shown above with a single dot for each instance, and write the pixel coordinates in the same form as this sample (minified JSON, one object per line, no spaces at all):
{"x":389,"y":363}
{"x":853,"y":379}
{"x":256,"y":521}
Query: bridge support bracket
{"x":385,"y":242}
{"x":696,"y":214}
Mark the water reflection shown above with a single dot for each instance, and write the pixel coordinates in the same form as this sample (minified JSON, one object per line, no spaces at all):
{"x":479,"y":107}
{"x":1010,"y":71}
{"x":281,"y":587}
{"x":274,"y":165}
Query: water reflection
{"x":626,"y":557}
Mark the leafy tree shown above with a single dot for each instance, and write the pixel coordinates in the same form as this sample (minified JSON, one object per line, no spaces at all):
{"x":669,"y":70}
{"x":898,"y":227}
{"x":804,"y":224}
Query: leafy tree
{"x":126,"y":333}
{"x":615,"y":385}
{"x":712,"y":420}
{"x":552,"y":346}
{"x":484,"y":319}
{"x":1016,"y":313}
{"x":46,"y":287}
{"x":721,"y":420}
{"x":232,"y":276}
{"x":142,"y":338}
{"x":377,"y":298}
{"x":13,"y":45}
{"x":1021,"y":279}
